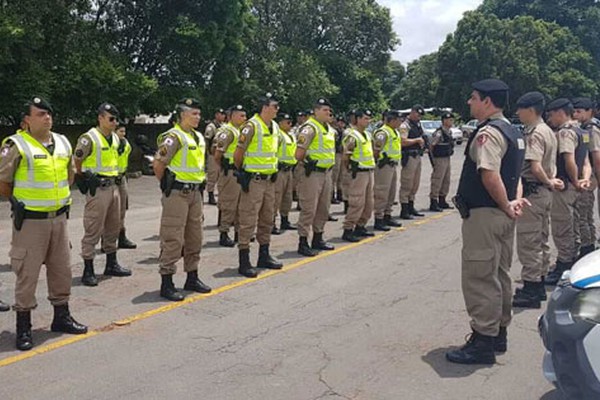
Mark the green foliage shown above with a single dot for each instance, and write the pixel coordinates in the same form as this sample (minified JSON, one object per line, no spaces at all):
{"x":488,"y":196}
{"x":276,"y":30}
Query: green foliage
{"x":420,"y":85}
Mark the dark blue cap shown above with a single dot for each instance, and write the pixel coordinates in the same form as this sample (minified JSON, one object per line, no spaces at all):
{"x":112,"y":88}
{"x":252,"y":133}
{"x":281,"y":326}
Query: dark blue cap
{"x":531,"y":99}
{"x":490,"y":86}
{"x":559,"y":104}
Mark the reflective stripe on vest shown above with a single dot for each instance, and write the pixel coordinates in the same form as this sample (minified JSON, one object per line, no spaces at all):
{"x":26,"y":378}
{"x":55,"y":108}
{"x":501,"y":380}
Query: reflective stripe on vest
{"x":188,"y":162}
{"x":41,"y":180}
{"x":233,"y":145}
{"x":104,"y":159}
{"x":322,"y":147}
{"x":393,"y":147}
{"x":287,"y":150}
{"x":123,"y":161}
{"x":363,"y":152}
{"x":261,"y":154}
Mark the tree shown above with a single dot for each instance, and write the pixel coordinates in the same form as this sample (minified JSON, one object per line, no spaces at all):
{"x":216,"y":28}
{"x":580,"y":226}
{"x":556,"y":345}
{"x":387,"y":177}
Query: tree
{"x":420,"y":85}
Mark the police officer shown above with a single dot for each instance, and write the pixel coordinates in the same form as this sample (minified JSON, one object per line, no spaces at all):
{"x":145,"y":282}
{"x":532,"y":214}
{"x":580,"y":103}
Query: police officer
{"x":539,"y":181}
{"x":387,"y":148}
{"x":441,"y":148}
{"x":336,"y":175}
{"x":412,"y":150}
{"x":316,"y":154}
{"x":256,"y":161}
{"x":179,"y":166}
{"x":301,"y":118}
{"x":360,"y":162}
{"x":36,"y":171}
{"x":346,"y":176}
{"x":213,"y":168}
{"x":97,"y":164}
{"x":584,"y":113}
{"x":229,"y":190}
{"x":124,"y":150}
{"x":285,"y":179}
{"x":573,"y":168}
{"x":487,"y":195}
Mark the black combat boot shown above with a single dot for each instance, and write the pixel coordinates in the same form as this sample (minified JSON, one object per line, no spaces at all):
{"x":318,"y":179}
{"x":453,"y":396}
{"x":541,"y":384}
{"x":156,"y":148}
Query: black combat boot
{"x":211,"y":199}
{"x":528,"y":296}
{"x":334,"y":199}
{"x":585,"y":250}
{"x":346,"y":206}
{"x":501,"y":341}
{"x":542,"y":290}
{"x":4,"y":307}
{"x":24,"y":339}
{"x":304,"y":249}
{"x":380,"y":225}
{"x":444,"y":204}
{"x":319,"y":244}
{"x":434,"y":206}
{"x":236,"y":237}
{"x":245,"y":268}
{"x":194,"y":284}
{"x":361,"y":231}
{"x":413,"y":211}
{"x":339,"y":196}
{"x":286,"y":225}
{"x":167,"y":289}
{"x":225,"y":240}
{"x":478,"y":350}
{"x":113,"y":268}
{"x":405,"y":211}
{"x":64,"y":322}
{"x":349,"y":236}
{"x":389,"y":221}
{"x":265,"y":260}
{"x":89,"y":276}
{"x":294,"y":196}
{"x":275,"y":230}
{"x":554,"y":276}
{"x":124,"y":242}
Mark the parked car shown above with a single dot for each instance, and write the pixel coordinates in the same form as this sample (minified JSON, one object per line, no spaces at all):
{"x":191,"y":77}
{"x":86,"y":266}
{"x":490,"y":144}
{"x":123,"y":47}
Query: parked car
{"x":468,"y":128}
{"x":430,"y":126}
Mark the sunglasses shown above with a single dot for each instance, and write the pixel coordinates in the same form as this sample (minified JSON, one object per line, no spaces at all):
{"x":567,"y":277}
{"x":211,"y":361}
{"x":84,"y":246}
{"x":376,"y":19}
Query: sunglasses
{"x":112,"y":119}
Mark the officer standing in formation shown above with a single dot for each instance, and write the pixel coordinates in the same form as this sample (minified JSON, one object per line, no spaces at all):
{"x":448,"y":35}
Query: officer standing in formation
{"x":346,"y":176}
{"x":441,"y":148}
{"x":360,"y":162}
{"x":387,"y":146}
{"x":539,"y":181}
{"x":412,"y":150}
{"x":124,"y":151}
{"x":256,"y":161}
{"x":229,"y":190}
{"x":36,"y":170}
{"x":97,"y":165}
{"x":285,"y":176}
{"x":213,"y":168}
{"x":316,"y":154}
{"x":180,"y":167}
{"x":487,"y":200}
{"x":336,"y":175}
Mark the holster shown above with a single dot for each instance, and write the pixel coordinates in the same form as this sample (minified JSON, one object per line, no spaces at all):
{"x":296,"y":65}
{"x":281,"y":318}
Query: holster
{"x":461,"y":206}
{"x":167,"y":182}
{"x":404,"y":160}
{"x":243,"y":178}
{"x":530,"y":188}
{"x":309,"y":166}
{"x":353,"y":169}
{"x":18,"y":212}
{"x":225,"y":165}
{"x":382,"y":162}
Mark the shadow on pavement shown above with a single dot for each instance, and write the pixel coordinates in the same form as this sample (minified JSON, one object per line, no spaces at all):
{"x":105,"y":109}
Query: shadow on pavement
{"x":149,"y":261}
{"x":214,"y":245}
{"x":227,"y":273}
{"x":76,"y":280}
{"x":40,"y":336}
{"x":437,"y":360}
{"x":148,"y":297}
{"x":552,"y":395}
{"x":154,"y":238}
{"x":286,"y":255}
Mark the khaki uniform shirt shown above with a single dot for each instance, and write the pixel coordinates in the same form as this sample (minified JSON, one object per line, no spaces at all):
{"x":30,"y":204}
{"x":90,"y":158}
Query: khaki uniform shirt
{"x":167,"y":148}
{"x":542,"y":146}
{"x":488,"y":147}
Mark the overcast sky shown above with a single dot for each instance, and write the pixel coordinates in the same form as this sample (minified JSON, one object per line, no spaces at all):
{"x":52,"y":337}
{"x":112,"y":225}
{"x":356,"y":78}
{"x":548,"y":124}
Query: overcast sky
{"x":423,"y":24}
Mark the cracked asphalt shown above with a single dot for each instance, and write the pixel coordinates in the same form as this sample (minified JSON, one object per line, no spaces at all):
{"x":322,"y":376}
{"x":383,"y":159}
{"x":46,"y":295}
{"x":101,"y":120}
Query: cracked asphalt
{"x":370,"y":322}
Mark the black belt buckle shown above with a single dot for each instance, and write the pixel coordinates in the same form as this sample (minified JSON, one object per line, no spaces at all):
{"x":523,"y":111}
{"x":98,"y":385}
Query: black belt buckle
{"x":105,"y":182}
{"x":187,"y":188}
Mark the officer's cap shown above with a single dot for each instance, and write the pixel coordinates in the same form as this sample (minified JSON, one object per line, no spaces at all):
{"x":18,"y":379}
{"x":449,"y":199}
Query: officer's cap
{"x":392,"y":114}
{"x":340,"y":118}
{"x":108,"y":108}
{"x":237,"y":107}
{"x":283,"y":117}
{"x":447,"y":115}
{"x":267,"y":99}
{"x":351,"y":113}
{"x":322,"y":102}
{"x":37,"y":102}
{"x":559,"y":104}
{"x":300,"y":114}
{"x":490,"y":86}
{"x":418,"y":108}
{"x":583,"y":102}
{"x":362,"y":113}
{"x":220,"y":111}
{"x":531,"y":99}
{"x":189,"y":102}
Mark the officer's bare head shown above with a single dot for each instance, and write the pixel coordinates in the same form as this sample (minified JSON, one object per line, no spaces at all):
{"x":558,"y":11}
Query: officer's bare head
{"x":393,"y":119}
{"x":416,"y":112}
{"x":583,"y":109}
{"x":488,"y":97}
{"x":268,"y":106}
{"x":559,"y":112}
{"x":237,"y":115}
{"x":285,"y":122}
{"x":530,"y":107}
{"x":37,"y":116}
{"x":121,"y":130}
{"x":188,"y":113}
{"x":363,"y":119}
{"x":220,"y":115}
{"x":322,"y":110}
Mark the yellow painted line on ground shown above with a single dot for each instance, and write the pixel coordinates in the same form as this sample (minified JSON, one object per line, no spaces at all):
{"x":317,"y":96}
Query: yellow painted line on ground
{"x":194,"y":298}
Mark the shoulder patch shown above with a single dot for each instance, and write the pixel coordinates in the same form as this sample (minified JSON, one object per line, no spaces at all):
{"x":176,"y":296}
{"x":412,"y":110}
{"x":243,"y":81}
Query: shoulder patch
{"x":5,"y":150}
{"x":301,"y":139}
{"x":482,"y":139}
{"x":84,"y":141}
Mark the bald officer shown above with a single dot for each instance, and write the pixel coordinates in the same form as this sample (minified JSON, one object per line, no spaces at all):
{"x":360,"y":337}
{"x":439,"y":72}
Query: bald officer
{"x":97,"y":164}
{"x":488,"y":203}
{"x":213,"y":168}
{"x":179,"y":166}
{"x":36,"y":171}
{"x":412,"y":150}
{"x":539,"y":181}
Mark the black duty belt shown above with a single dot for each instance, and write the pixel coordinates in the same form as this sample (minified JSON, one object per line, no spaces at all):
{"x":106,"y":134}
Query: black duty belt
{"x":106,"y":181}
{"x":364,"y":169}
{"x":45,"y":215}
{"x":412,"y":153}
{"x":285,"y":167}
{"x":260,"y":177}
{"x":321,"y":169}
{"x":189,"y":187}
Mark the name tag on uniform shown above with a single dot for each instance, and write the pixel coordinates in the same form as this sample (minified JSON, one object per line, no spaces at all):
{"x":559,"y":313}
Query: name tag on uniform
{"x":520,"y":144}
{"x":193,"y":147}
{"x":586,"y":137}
{"x":105,"y":148}
{"x":40,"y":156}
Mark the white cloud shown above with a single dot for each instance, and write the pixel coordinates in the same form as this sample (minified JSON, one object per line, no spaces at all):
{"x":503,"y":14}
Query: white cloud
{"x":423,"y":25}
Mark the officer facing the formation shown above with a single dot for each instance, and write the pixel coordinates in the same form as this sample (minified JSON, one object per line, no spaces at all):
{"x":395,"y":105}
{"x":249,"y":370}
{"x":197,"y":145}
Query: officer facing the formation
{"x":442,"y":149}
{"x":539,"y":181}
{"x":487,"y":201}
{"x":316,"y":154}
{"x":179,"y":166}
{"x":256,"y":160}
{"x":285,"y":179}
{"x":97,"y":164}
{"x":387,"y":146}
{"x":229,"y":190}
{"x":412,"y":150}
{"x":36,"y":171}
{"x":573,"y":168}
{"x":124,"y":150}
{"x":360,"y":162}
{"x":336,"y":175}
{"x":584,"y":113}
{"x":213,"y":167}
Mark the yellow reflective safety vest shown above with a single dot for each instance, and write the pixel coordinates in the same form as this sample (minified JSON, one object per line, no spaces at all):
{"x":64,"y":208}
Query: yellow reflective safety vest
{"x":123,"y":161}
{"x":41,"y":180}
{"x":261,"y":154}
{"x":393,"y":144}
{"x":287,"y":149}
{"x":235,"y":132}
{"x":188,"y":163}
{"x":322,"y":147}
{"x":363,"y":152}
{"x":104,"y":158}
